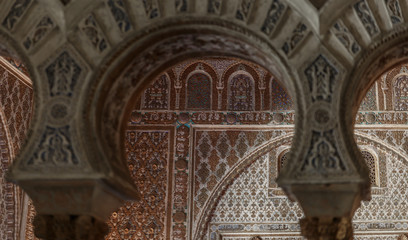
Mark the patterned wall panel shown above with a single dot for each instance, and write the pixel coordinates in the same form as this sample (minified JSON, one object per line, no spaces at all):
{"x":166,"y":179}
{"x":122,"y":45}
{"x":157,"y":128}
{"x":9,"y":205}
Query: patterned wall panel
{"x":156,"y":96}
{"x":218,"y":84}
{"x":16,"y":101}
{"x":149,"y":156}
{"x":215,"y":155}
{"x":8,"y":201}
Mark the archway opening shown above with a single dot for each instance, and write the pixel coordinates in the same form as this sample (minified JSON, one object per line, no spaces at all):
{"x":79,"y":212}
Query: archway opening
{"x":189,"y":132}
{"x":380,"y":129}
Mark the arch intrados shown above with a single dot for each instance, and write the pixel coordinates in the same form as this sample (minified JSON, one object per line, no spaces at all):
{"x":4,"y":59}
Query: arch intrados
{"x":110,"y":102}
{"x":209,"y":207}
{"x":241,"y":72}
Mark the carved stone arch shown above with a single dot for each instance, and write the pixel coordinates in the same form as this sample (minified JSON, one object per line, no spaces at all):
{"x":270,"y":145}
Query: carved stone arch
{"x":125,"y":74}
{"x":209,"y":207}
{"x":400,"y":92}
{"x":382,"y":55}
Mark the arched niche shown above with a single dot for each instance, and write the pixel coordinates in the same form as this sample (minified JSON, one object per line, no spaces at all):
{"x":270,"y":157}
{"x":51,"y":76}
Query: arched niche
{"x":241,"y":91}
{"x":199,"y":90}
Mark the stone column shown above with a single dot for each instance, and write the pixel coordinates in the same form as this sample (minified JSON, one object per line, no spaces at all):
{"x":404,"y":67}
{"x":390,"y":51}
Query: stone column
{"x":325,"y":172}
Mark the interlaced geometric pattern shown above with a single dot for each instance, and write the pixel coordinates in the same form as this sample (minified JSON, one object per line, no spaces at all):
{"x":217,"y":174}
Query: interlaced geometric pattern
{"x":16,"y":100}
{"x":246,"y":209}
{"x":217,"y":152}
{"x":246,"y":203}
